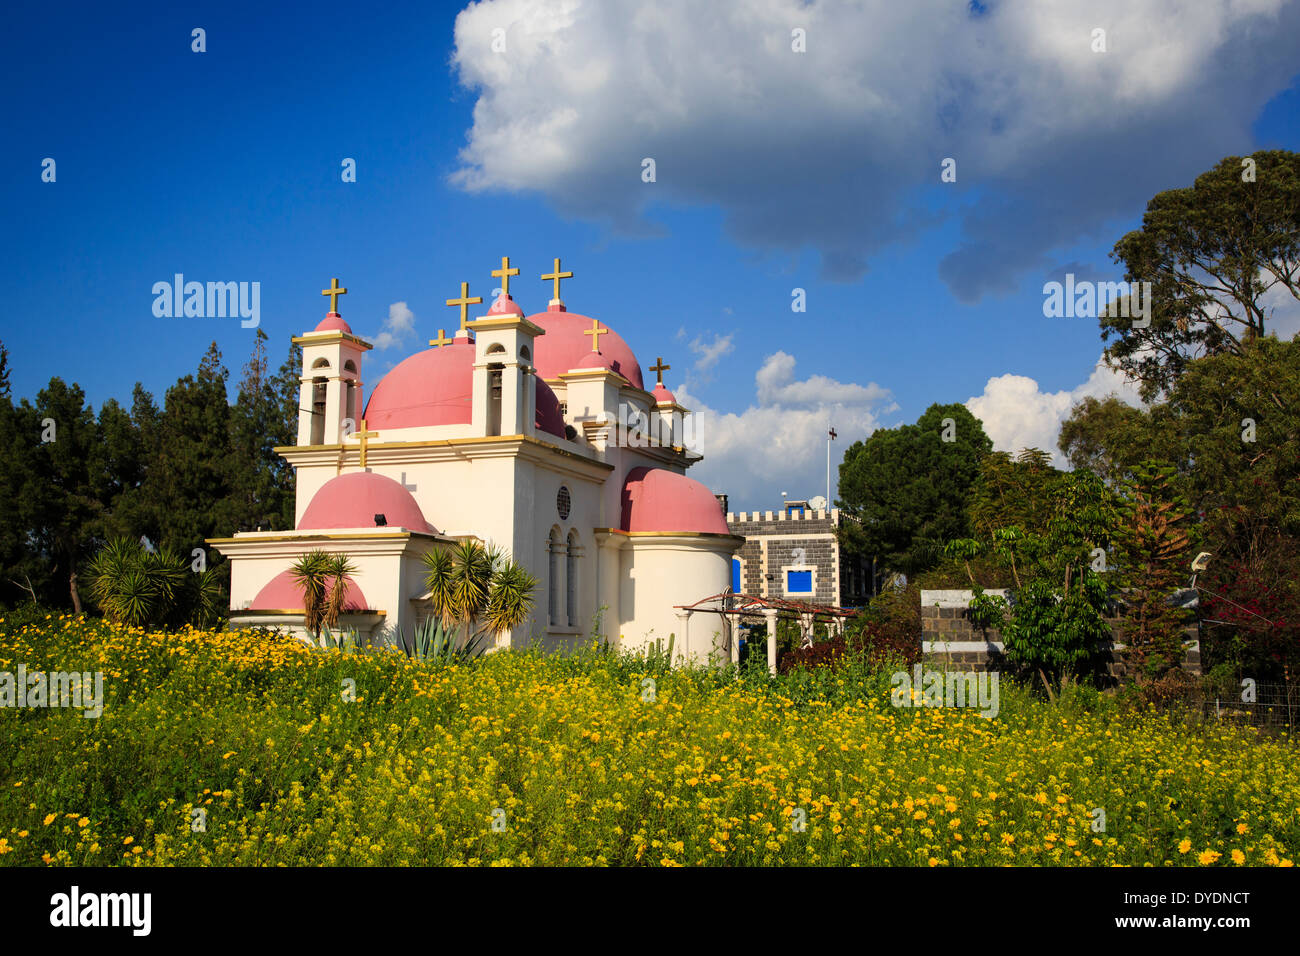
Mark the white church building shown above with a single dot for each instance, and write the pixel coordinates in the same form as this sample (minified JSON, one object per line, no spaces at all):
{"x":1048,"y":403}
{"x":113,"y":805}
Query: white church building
{"x":532,"y":432}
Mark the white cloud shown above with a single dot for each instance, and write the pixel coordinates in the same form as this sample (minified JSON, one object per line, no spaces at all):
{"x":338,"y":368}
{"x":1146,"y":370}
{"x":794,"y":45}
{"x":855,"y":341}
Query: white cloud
{"x":830,"y":149}
{"x":778,"y":443}
{"x":1017,"y":414}
{"x":710,"y":353}
{"x":397,"y":327}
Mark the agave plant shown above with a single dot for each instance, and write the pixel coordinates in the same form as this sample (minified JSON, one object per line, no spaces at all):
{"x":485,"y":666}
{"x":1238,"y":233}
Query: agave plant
{"x":435,"y":642}
{"x":478,"y":591}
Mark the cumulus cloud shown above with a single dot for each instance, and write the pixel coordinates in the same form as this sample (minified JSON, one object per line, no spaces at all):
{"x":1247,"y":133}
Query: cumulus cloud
{"x":1017,"y":414}
{"x":838,"y":149}
{"x":778,"y":443}
{"x":397,"y":327}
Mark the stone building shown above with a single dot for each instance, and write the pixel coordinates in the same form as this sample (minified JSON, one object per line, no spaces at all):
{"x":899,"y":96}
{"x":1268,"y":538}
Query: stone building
{"x":794,"y":554}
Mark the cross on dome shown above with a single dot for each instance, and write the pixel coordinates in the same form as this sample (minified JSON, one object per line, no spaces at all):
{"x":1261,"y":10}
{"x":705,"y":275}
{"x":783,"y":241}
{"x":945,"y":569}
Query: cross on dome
{"x":660,"y":368}
{"x":334,"y":291}
{"x":595,"y":332}
{"x":465,"y":301}
{"x":555,"y":277}
{"x":441,"y":340}
{"x":504,"y":274}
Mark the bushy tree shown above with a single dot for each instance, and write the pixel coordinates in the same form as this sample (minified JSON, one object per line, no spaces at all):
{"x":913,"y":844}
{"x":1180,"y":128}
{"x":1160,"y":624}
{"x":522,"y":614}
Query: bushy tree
{"x":1211,"y":252}
{"x":1055,"y":626}
{"x":906,"y":488}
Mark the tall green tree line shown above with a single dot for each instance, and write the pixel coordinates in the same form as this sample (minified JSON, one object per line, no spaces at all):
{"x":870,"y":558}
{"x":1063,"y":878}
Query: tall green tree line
{"x":199,"y":466}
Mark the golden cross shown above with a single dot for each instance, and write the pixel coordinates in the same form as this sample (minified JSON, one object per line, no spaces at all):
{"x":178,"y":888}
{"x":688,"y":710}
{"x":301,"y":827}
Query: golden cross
{"x":441,"y":340}
{"x":504,"y":274}
{"x":556,"y":276}
{"x":363,"y":435}
{"x":334,"y":292}
{"x":465,"y":302}
{"x":660,"y":369}
{"x":595,"y":332}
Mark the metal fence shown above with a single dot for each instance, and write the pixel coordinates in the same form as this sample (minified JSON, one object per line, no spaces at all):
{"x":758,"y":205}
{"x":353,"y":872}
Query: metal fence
{"x":1272,"y":706}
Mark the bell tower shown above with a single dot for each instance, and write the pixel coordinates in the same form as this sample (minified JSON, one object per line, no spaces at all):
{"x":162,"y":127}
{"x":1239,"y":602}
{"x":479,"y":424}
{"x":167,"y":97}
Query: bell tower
{"x":331,"y":393}
{"x":504,"y":389}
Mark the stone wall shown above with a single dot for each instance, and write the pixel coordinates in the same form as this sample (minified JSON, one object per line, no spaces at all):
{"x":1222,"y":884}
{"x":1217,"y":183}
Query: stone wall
{"x":948,"y":636}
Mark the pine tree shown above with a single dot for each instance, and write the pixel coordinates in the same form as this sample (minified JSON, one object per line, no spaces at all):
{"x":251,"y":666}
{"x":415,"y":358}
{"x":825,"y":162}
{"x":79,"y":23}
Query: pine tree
{"x":1152,"y":551}
{"x":263,"y":480}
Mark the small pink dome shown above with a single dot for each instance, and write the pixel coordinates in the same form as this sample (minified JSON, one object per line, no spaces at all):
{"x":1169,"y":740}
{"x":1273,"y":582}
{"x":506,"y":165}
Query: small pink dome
{"x":505,"y":305}
{"x":334,"y":323}
{"x":655,"y":499}
{"x":436,"y":387}
{"x":564,"y":347}
{"x":662,"y":395}
{"x":282,"y":593}
{"x":352,"y":501}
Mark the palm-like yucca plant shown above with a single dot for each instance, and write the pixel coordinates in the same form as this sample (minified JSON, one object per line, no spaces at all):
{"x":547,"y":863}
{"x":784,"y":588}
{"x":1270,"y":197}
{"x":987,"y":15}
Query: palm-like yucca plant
{"x":310,"y":573}
{"x":337,"y":569}
{"x":322,"y":577}
{"x":140,"y":588}
{"x":478,"y":590}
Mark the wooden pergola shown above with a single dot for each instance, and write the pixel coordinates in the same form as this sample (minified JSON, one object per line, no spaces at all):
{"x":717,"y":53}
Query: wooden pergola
{"x":732,"y":607}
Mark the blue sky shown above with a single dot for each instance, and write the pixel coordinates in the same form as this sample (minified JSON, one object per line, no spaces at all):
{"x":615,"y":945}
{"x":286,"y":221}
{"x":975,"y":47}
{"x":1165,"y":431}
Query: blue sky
{"x":775,"y":170}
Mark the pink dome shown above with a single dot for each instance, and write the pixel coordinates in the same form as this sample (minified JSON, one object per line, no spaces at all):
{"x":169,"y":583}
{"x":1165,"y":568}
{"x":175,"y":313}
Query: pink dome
{"x":655,"y":499}
{"x":282,"y":593}
{"x":435,"y":387}
{"x":505,"y":305}
{"x":662,"y":395}
{"x":352,"y":501}
{"x":564,"y":347}
{"x":334,"y":323}
{"x":549,"y":418}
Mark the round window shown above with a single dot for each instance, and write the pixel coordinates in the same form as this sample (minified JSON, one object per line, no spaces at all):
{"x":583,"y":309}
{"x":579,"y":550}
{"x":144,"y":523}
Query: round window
{"x":562,"y":503}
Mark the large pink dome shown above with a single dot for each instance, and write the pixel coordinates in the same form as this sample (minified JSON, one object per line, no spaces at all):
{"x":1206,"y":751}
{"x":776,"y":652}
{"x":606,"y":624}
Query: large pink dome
{"x":565,"y":347}
{"x":282,"y":593}
{"x":352,"y":501}
{"x":655,"y":499}
{"x":436,"y":386}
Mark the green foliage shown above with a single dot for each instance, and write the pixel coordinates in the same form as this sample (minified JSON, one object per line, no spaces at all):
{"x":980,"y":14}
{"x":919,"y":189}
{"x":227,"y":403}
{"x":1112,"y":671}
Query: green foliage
{"x":1211,"y":252}
{"x":478,"y":589}
{"x":1055,"y":626}
{"x":322,"y":577}
{"x":906,"y":488}
{"x":1012,"y":491}
{"x":435,"y":642}
{"x":1152,"y":553}
{"x":152,"y":589}
{"x":198,"y":468}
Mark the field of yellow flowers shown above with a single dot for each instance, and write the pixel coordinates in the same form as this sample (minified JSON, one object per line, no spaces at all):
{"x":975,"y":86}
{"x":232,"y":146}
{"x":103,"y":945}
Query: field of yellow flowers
{"x":236,"y":748}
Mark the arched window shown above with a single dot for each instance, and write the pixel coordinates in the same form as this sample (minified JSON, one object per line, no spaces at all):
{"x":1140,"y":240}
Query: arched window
{"x":571,"y":579}
{"x":494,"y":398}
{"x":553,"y":547}
{"x":321,"y":363}
{"x":318,"y":387}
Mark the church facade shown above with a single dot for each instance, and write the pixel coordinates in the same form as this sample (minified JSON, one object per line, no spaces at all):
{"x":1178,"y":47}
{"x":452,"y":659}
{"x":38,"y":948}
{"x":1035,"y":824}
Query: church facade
{"x":532,"y":432}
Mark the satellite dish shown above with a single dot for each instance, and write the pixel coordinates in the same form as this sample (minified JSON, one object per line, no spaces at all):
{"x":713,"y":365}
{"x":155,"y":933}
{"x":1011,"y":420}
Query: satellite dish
{"x":817,"y":504}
